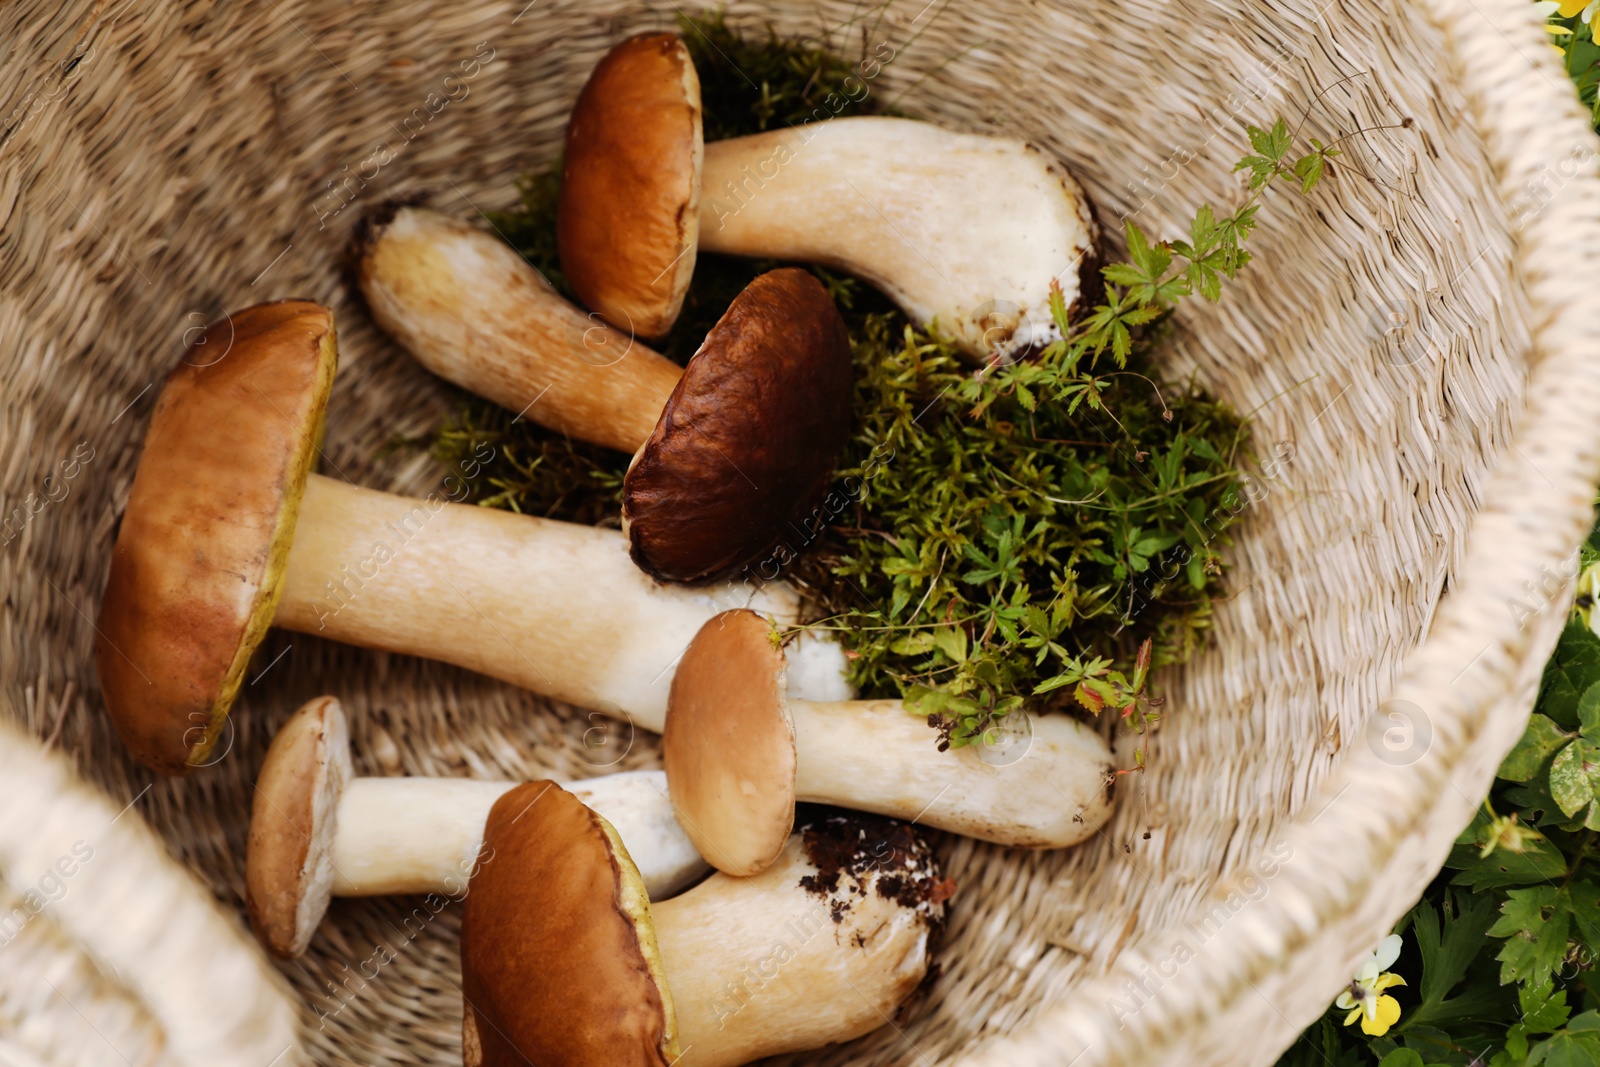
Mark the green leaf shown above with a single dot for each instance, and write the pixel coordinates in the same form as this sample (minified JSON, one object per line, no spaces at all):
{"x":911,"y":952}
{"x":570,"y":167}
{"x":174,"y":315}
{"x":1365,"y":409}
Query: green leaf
{"x":1570,"y":672}
{"x":1541,"y":738}
{"x":1050,"y":685}
{"x":1589,"y":710}
{"x":1569,"y":780}
{"x":952,"y":641}
{"x":1309,"y":170}
{"x":916,"y":644}
{"x":1537,"y":864}
{"x":1534,"y":923}
{"x":1402,"y":1057}
{"x":1544,"y":1010}
{"x":1571,"y":1050}
{"x":1450,"y":939}
{"x":1586,"y":913}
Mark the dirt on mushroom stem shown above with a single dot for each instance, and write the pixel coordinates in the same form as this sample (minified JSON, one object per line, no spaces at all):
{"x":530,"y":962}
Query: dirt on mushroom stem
{"x":849,"y":847}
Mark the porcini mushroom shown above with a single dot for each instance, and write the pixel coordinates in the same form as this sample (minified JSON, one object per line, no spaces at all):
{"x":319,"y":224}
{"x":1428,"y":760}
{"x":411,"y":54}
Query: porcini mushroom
{"x":727,"y":451}
{"x":563,"y":961}
{"x":961,"y":230}
{"x":740,"y":750}
{"x":317,"y":831}
{"x":227,"y":532}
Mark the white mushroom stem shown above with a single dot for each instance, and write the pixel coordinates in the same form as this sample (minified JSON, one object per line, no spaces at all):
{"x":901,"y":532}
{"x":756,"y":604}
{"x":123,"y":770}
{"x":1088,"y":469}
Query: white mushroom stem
{"x":425,"y":835}
{"x":472,"y":310}
{"x":554,"y":607}
{"x":961,"y":229}
{"x":758,"y":966}
{"x":1044,"y":790}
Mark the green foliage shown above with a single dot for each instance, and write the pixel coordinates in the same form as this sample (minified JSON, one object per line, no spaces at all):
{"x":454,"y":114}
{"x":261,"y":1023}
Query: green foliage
{"x":1581,"y":56}
{"x":1506,"y":939}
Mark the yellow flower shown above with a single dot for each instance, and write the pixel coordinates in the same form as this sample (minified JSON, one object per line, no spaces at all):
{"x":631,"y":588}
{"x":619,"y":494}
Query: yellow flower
{"x":1560,"y":8}
{"x":1365,"y":999}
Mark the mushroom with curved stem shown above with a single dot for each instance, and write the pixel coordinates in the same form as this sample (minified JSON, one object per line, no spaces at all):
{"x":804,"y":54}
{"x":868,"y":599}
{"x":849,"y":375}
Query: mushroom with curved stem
{"x":563,"y":961}
{"x":317,"y":831}
{"x":965,"y":232}
{"x":227,"y":532}
{"x":727,"y":451}
{"x":741,"y":750}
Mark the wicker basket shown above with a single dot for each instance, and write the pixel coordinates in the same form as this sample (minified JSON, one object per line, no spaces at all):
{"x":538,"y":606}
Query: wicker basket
{"x":1413,"y":342}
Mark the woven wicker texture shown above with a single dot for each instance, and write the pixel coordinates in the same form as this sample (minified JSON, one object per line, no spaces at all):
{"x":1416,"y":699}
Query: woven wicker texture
{"x":168,"y":161}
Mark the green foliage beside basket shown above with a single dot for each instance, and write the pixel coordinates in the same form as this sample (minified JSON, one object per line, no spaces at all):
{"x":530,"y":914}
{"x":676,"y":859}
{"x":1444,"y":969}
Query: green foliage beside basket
{"x":1503,"y":951}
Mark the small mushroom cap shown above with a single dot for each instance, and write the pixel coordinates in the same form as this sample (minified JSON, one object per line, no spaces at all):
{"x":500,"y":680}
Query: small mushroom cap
{"x":559,"y":962}
{"x":729,"y":744}
{"x":748,"y":441}
{"x":199,"y":560}
{"x":629,"y":215}
{"x":289,"y":862}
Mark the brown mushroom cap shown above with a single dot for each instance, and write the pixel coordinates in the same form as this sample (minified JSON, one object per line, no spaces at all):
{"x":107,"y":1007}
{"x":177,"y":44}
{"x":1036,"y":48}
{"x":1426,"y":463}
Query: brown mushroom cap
{"x":729,"y":744}
{"x":559,"y":962}
{"x":629,"y":214}
{"x":747,"y":442}
{"x":199,"y":560}
{"x":289,"y":863}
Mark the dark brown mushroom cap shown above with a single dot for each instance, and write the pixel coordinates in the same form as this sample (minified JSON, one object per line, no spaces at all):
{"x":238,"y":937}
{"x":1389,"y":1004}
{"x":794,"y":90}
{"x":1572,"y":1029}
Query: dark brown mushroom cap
{"x":559,"y":963}
{"x":748,"y":441}
{"x":198,"y":564}
{"x":629,"y":214}
{"x":729,"y":744}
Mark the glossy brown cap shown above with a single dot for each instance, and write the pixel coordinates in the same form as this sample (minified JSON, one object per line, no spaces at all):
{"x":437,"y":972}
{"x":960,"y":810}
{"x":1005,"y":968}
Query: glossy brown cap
{"x":289,"y":863}
{"x":729,"y":744}
{"x":748,"y":441}
{"x":559,"y":963}
{"x":629,"y":215}
{"x":198,"y":564}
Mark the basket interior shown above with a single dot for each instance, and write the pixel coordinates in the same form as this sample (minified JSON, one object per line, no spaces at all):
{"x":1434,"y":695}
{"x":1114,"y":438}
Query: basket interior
{"x":185,"y":165}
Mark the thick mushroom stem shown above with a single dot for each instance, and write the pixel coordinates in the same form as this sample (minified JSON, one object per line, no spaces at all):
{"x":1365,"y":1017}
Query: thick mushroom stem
{"x":760,"y":966}
{"x":961,"y":230}
{"x":472,"y":310}
{"x":425,"y":835}
{"x":1045,"y":788}
{"x":554,"y":607}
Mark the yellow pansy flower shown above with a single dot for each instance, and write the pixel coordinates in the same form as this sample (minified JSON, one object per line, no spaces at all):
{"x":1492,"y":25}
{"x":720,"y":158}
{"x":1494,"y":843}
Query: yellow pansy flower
{"x":1365,"y":999}
{"x":1562,"y":8}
